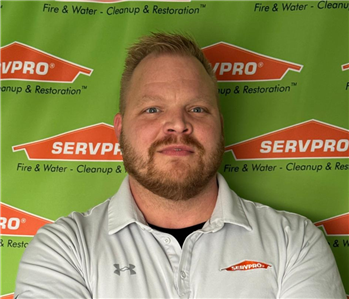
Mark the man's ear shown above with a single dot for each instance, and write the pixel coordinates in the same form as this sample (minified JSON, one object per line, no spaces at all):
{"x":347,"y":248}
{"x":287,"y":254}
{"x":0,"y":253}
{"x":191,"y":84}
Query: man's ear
{"x":118,"y":125}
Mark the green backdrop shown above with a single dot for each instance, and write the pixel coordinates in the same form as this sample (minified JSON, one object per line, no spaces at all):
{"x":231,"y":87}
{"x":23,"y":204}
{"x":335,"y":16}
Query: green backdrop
{"x":61,"y":64}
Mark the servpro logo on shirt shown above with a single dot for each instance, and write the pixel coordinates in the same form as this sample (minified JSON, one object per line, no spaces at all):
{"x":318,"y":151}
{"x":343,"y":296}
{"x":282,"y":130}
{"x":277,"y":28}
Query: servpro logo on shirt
{"x":26,"y":63}
{"x":92,"y":143}
{"x":308,"y":140}
{"x":232,"y":63}
{"x":345,"y":67}
{"x":335,"y":226}
{"x":16,"y":222}
{"x":247,"y":265}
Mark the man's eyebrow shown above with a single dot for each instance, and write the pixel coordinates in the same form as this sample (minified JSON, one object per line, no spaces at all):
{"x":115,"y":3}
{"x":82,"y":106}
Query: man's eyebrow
{"x":148,"y":98}
{"x":204,"y":100}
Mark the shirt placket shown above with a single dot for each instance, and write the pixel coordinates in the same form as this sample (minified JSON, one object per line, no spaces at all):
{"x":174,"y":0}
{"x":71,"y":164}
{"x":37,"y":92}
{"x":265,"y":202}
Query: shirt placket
{"x":180,"y":259}
{"x":173,"y":252}
{"x":184,"y":271}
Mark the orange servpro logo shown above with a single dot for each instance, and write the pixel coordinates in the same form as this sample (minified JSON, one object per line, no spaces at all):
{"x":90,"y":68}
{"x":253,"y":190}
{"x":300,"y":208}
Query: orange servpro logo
{"x":335,"y":226}
{"x":7,"y":296}
{"x":92,"y":143}
{"x":26,"y":63}
{"x":307,"y":140}
{"x":16,"y":222}
{"x":247,"y":265}
{"x":345,"y":67}
{"x":231,"y":63}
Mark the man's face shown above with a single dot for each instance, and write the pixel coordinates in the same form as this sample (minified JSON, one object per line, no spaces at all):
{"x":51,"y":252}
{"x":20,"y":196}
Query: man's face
{"x":171,"y":132}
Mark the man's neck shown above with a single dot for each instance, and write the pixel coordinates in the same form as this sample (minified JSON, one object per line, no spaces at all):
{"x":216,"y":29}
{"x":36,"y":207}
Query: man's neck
{"x":167,"y":213}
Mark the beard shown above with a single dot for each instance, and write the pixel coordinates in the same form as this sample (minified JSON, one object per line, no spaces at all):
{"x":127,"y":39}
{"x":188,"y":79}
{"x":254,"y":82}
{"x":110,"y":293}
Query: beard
{"x":182,"y":180}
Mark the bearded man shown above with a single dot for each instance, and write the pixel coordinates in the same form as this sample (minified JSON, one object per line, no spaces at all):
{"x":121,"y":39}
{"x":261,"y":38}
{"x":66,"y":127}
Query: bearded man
{"x":175,"y":229}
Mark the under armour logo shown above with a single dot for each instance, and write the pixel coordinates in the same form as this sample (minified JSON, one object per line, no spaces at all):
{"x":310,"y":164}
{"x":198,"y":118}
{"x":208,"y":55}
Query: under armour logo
{"x":129,"y":268}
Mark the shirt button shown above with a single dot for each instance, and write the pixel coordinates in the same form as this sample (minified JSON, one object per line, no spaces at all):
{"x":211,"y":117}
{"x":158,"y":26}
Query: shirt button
{"x":167,"y":240}
{"x":183,"y":275}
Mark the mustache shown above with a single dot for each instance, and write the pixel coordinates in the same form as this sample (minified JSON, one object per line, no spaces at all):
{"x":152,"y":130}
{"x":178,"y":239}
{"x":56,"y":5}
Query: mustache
{"x":172,"y":139}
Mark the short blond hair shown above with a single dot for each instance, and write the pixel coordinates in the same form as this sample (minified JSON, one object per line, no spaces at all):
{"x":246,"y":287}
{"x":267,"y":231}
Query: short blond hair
{"x":160,"y":43}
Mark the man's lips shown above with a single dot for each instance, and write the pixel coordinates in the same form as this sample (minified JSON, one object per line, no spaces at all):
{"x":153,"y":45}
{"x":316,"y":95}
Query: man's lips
{"x":176,"y":150}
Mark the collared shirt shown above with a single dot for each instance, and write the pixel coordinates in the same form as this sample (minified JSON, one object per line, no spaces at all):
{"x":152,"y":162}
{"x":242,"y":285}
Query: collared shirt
{"x":245,"y":250}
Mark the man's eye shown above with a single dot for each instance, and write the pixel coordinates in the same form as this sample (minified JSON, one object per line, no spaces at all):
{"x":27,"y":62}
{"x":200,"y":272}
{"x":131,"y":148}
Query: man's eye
{"x":198,"y":110}
{"x":152,"y":110}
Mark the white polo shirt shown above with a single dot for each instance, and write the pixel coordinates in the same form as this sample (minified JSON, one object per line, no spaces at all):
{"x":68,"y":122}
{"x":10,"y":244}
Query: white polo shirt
{"x":245,"y":250}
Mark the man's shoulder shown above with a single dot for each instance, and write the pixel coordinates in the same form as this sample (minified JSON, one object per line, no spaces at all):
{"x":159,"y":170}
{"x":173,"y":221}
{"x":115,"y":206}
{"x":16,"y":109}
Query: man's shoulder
{"x":75,"y":222}
{"x":262,"y":213}
{"x":252,"y":214}
{"x":283,"y":226}
{"x":264,"y":208}
{"x":92,"y":213}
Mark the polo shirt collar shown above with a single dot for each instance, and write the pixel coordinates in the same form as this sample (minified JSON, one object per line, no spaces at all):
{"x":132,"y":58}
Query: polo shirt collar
{"x":228,"y":209}
{"x":123,"y":210}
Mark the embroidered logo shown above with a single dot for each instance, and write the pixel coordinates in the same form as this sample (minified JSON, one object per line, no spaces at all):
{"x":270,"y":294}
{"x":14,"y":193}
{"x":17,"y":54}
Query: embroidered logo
{"x":247,"y":265}
{"x":129,"y":268}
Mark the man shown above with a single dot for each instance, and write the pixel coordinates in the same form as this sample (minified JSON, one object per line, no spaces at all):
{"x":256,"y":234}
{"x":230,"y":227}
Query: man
{"x":175,"y":229}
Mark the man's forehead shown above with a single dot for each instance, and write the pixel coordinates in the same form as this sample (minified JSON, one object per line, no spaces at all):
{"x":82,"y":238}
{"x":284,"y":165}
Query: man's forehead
{"x":188,"y":91}
{"x":162,"y":76}
{"x":170,"y":70}
{"x":169,"y":63}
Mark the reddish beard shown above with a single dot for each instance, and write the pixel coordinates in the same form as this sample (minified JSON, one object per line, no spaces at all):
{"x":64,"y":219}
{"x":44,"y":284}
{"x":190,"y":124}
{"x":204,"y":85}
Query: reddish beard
{"x":182,"y":180}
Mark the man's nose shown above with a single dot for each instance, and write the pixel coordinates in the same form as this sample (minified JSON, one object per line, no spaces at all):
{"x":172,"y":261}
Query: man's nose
{"x":177,"y":122}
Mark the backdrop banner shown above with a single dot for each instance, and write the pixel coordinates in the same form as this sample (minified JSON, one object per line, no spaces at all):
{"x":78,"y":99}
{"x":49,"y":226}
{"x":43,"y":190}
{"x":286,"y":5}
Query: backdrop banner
{"x":283,"y":72}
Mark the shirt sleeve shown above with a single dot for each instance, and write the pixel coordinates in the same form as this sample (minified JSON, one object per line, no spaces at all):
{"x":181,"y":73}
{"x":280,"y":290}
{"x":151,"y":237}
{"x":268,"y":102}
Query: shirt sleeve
{"x":51,"y":266}
{"x":311,"y":270}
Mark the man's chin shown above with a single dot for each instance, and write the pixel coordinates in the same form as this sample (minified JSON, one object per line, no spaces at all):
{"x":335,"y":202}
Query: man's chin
{"x":174,"y":190}
{"x":172,"y":185}
{"x":176,"y":171}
